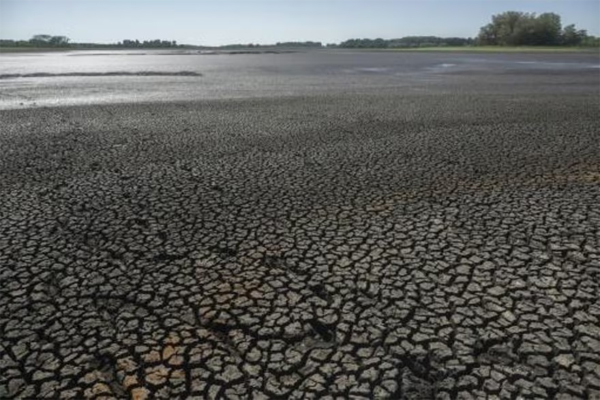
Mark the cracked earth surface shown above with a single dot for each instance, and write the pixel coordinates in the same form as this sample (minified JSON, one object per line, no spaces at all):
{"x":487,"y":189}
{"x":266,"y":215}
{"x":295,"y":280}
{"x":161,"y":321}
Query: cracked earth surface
{"x":384,"y":246}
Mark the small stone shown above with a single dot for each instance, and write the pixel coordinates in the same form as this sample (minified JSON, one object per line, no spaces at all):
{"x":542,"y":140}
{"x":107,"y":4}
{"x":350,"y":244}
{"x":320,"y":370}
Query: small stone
{"x":129,"y":381}
{"x":465,"y":396}
{"x":467,"y":382}
{"x":564,"y":360}
{"x":522,"y":383}
{"x":100,"y":388}
{"x":390,"y":385}
{"x":497,"y":291}
{"x":420,"y":338}
{"x":577,"y":256}
{"x":231,"y":373}
{"x":176,"y":361}
{"x":48,"y":389}
{"x":19,"y":350}
{"x":41,"y":375}
{"x":544,"y":282}
{"x":547,"y":383}
{"x":538,"y":361}
{"x":535,"y":348}
{"x":509,"y":316}
{"x":139,"y":394}
{"x":168,"y":351}
{"x":491,"y":386}
{"x":157,"y":375}
{"x":127,"y":364}
{"x":14,"y":385}
{"x":152,"y":357}
{"x":293,"y":329}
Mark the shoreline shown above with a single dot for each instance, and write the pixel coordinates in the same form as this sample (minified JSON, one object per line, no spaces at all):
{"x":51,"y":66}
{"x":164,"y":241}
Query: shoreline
{"x":271,"y":50}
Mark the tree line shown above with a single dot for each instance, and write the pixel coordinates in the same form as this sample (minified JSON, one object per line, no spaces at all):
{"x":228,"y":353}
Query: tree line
{"x":299,"y":44}
{"x":38,"y":41}
{"x":49,"y":41}
{"x":236,"y":46}
{"x":513,"y":28}
{"x":510,"y":28}
{"x":152,"y":44}
{"x":406,"y":42}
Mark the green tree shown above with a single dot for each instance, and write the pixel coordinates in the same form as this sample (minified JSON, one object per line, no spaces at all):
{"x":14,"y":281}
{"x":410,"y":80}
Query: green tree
{"x":509,"y":27}
{"x":591,"y":41}
{"x":547,"y":29}
{"x":59,"y":41}
{"x":49,"y":41}
{"x":572,"y":36}
{"x":487,"y":35}
{"x":40,"y":40}
{"x":513,"y":28}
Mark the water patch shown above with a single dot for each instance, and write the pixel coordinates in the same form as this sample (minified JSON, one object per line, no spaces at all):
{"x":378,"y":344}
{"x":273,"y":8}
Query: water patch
{"x":106,"y":54}
{"x":556,"y":65}
{"x":441,"y":67}
{"x":373,"y":69}
{"x":91,"y":74}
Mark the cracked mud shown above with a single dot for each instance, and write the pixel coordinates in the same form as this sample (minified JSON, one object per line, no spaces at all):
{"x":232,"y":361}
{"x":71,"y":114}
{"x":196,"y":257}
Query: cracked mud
{"x":410,"y":246}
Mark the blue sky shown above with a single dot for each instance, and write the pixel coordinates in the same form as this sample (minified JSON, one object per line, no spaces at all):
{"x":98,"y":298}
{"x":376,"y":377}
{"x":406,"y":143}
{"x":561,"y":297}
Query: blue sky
{"x":266,"y":21}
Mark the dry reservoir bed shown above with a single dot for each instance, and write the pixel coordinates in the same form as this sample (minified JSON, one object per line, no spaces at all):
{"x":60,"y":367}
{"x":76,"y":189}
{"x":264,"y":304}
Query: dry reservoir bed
{"x":439,"y":245}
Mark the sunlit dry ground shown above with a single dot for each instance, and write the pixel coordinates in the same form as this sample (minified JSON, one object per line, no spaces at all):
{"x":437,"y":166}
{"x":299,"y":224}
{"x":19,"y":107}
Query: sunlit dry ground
{"x":393,"y":244}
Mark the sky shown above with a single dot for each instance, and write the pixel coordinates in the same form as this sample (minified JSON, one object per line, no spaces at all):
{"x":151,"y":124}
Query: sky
{"x":221,"y":22}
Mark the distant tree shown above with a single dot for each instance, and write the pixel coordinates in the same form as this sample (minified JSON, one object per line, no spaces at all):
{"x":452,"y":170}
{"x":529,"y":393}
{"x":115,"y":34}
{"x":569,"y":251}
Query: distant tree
{"x":591,"y":41}
{"x":299,"y":44}
{"x":513,"y":28}
{"x":156,"y":43}
{"x":379,"y":43}
{"x":49,"y":41}
{"x":407,"y":42}
{"x":510,"y":26}
{"x":40,"y":40}
{"x":59,"y":41}
{"x":364,"y":43}
{"x":572,"y":36}
{"x":547,"y":29}
{"x":487,"y":35}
